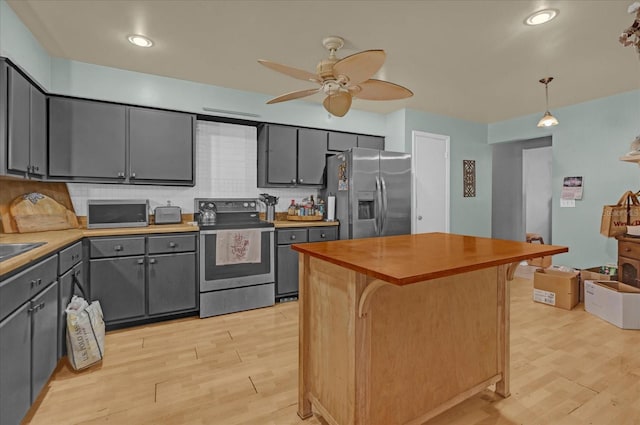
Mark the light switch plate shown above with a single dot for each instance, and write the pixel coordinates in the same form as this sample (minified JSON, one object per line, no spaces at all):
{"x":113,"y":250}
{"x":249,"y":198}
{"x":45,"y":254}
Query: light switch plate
{"x":567,"y":203}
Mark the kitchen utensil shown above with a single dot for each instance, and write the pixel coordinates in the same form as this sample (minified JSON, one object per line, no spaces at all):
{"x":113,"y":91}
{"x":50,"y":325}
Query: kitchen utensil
{"x":35,"y":212}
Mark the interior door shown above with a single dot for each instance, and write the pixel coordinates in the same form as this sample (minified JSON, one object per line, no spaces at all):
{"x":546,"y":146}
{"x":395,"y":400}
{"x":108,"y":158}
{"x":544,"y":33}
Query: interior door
{"x":430,"y":164}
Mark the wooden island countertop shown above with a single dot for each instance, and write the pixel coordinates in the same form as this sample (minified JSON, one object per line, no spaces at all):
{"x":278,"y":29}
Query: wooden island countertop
{"x":413,"y":258}
{"x":398,"y":329}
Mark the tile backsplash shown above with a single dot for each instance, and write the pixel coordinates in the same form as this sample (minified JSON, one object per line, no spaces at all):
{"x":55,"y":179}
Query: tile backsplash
{"x":226,"y":167}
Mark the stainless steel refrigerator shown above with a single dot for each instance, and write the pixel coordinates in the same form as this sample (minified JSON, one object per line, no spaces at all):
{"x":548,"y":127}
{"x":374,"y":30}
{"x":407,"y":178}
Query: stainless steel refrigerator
{"x":372,"y":190}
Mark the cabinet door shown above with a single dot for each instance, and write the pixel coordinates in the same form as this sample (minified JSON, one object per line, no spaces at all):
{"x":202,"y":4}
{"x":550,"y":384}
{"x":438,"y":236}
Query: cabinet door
{"x":118,"y":283}
{"x":371,"y":142}
{"x":19,"y":95}
{"x":38,"y":133}
{"x":312,"y":147}
{"x":44,"y":338}
{"x":287,"y":271}
{"x":341,"y":141}
{"x":281,"y":155}
{"x":86,"y":139}
{"x":172,"y":283}
{"x":160,"y":145}
{"x":15,"y":366}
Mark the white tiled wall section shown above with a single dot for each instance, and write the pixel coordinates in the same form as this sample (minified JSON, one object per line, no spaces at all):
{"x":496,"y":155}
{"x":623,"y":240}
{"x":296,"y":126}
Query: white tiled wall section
{"x":226,"y":167}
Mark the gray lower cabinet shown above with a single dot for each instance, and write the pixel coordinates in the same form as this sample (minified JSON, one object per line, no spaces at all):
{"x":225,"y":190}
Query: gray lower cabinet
{"x":44,"y":338}
{"x":171,"y":279}
{"x":70,"y":267}
{"x":26,"y":125}
{"x":119,"y":285}
{"x":287,"y":259}
{"x":143,"y":277}
{"x":15,"y":366}
{"x":28,"y":337}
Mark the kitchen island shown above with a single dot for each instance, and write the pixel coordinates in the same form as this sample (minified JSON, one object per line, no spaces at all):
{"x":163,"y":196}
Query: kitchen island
{"x":395,"y":330}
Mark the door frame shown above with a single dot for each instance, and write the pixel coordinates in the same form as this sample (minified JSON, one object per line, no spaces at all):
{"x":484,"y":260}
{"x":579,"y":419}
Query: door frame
{"x":415,"y":165}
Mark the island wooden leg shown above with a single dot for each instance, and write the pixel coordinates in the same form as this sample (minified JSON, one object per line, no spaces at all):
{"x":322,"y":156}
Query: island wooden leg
{"x":504,"y":346}
{"x":304,"y":404}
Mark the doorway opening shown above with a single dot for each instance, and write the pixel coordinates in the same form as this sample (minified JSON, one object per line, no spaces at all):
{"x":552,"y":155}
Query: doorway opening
{"x":522,"y":189}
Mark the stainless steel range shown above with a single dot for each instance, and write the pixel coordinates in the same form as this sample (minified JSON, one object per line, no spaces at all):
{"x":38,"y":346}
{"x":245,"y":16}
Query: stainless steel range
{"x":237,"y":270}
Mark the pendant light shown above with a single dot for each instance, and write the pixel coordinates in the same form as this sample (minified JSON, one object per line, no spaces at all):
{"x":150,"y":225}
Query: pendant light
{"x":547,"y":119}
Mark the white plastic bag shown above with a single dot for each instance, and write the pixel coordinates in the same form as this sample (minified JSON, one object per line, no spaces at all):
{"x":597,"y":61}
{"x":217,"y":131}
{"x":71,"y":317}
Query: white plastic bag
{"x":85,"y":333}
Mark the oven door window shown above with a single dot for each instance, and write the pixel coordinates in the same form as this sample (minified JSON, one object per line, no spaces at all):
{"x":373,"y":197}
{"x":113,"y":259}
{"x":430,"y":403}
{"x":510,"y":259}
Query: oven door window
{"x":213,"y":272}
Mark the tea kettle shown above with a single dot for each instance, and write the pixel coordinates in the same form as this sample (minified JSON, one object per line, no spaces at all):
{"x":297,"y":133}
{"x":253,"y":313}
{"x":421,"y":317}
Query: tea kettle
{"x":208,"y":214}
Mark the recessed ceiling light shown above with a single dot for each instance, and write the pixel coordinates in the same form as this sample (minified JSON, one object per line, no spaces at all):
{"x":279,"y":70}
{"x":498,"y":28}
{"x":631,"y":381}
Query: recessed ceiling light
{"x":541,"y":17}
{"x":140,"y":40}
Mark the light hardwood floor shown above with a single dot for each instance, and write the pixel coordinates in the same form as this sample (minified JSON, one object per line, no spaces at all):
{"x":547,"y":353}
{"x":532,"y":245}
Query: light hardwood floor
{"x":567,"y":368}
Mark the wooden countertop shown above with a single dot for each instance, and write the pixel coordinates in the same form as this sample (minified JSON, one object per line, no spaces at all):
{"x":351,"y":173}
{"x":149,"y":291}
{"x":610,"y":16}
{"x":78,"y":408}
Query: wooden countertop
{"x":60,"y":238}
{"x":406,"y":259}
{"x":290,"y":223}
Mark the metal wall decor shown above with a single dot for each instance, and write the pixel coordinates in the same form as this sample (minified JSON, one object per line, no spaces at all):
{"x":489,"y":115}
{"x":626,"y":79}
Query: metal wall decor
{"x":469,"y":178}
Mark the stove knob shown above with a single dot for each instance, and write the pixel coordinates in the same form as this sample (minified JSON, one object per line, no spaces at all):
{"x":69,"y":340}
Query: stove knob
{"x":246,"y":204}
{"x":210,"y":205}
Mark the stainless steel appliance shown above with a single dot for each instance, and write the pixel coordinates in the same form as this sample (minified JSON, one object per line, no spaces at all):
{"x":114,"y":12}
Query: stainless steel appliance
{"x":242,"y":285}
{"x":167,"y":214}
{"x":372,"y":190}
{"x":106,"y":213}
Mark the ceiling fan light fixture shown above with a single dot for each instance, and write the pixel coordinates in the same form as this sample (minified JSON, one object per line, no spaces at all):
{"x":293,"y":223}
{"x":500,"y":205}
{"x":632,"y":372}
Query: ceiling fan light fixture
{"x":547,"y":119}
{"x":541,"y":17}
{"x":338,"y":104}
{"x":140,"y":40}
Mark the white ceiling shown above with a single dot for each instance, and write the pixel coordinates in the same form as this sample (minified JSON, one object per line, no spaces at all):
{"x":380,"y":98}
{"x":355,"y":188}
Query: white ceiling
{"x":473,"y":60}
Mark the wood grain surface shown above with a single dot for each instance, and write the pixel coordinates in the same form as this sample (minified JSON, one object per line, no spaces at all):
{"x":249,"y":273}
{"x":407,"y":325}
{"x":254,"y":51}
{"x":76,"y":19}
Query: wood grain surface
{"x":407,"y":259}
{"x":568,"y":368}
{"x":35,"y":212}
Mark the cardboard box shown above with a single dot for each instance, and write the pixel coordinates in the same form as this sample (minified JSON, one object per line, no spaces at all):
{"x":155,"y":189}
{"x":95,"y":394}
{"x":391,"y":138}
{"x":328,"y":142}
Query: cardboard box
{"x":543,"y":262}
{"x":592,"y":273}
{"x":556,"y":288}
{"x":614,"y":302}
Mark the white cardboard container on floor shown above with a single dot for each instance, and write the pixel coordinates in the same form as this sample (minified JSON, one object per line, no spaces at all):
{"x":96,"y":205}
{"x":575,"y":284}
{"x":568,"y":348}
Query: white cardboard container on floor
{"x":615,"y":302}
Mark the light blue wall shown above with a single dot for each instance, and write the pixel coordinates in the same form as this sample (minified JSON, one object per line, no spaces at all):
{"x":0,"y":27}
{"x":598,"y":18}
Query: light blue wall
{"x":588,"y":142}
{"x":395,"y":134}
{"x":18,"y":44}
{"x":470,"y":216}
{"x":80,"y":79}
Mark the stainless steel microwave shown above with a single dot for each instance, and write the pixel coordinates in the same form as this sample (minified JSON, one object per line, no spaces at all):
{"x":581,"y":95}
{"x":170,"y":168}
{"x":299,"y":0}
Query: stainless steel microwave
{"x":107,"y":213}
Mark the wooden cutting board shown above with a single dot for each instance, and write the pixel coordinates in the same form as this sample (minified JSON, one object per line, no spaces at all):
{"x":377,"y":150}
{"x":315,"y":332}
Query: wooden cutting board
{"x":35,"y":212}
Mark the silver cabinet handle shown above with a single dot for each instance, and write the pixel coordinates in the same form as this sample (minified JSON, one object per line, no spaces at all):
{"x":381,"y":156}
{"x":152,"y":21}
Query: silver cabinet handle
{"x":293,"y":237}
{"x":121,"y":174}
{"x":300,"y":180}
{"x":172,"y":245}
{"x":152,"y":261}
{"x":36,"y":168}
{"x":293,"y":180}
{"x":140,"y":261}
{"x":34,"y":283}
{"x":117,"y":248}
{"x":133,"y":175}
{"x":322,"y":235}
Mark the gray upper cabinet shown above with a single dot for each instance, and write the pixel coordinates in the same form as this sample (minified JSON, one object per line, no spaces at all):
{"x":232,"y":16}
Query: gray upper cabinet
{"x":289,"y":156}
{"x":371,"y":142}
{"x":161,"y":145}
{"x":98,"y":141}
{"x":341,"y":141}
{"x":312,"y":149}
{"x":26,"y":126}
{"x":86,"y":139}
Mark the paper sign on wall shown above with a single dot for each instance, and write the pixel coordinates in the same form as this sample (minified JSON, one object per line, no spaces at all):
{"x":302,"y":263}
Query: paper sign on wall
{"x":571,"y":188}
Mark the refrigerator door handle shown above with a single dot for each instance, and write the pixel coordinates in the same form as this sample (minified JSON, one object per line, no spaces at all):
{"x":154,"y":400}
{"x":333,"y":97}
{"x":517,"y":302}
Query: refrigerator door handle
{"x":377,"y":223}
{"x":383,"y":216}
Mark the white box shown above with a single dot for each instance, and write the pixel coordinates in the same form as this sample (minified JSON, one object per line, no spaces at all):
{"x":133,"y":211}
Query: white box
{"x":614,"y":302}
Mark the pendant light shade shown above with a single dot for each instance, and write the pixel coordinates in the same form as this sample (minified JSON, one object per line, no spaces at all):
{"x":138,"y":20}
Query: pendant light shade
{"x":547,"y":119}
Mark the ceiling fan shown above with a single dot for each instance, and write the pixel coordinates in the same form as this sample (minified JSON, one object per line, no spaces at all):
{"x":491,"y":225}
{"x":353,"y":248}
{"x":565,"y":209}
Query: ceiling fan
{"x":342,"y":79}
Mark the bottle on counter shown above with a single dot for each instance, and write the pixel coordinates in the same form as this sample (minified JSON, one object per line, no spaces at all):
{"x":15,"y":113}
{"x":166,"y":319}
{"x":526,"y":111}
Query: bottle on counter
{"x":292,"y":208}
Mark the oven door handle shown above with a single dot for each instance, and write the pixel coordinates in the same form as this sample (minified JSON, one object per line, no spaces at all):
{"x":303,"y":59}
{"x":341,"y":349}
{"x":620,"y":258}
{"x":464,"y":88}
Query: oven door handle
{"x":213,"y":232}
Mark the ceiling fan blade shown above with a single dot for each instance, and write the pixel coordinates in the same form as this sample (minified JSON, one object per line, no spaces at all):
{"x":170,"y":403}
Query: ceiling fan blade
{"x":294,"y":95}
{"x":338,"y":104}
{"x":360,"y":66}
{"x":290,"y":71}
{"x":379,"y":90}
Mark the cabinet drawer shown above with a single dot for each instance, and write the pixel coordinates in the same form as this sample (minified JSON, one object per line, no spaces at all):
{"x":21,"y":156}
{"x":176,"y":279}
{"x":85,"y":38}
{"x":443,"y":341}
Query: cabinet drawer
{"x":321,"y":234}
{"x":117,"y":247}
{"x":68,"y":257}
{"x":171,"y":243}
{"x":17,"y":289}
{"x":292,"y":236}
{"x":629,"y":249}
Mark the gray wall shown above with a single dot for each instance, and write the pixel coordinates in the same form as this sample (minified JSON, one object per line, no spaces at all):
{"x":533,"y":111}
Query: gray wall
{"x":507,"y":219}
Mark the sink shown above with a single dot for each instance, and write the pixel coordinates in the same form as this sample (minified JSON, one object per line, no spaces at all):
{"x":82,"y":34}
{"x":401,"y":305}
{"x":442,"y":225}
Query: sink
{"x":8,"y":250}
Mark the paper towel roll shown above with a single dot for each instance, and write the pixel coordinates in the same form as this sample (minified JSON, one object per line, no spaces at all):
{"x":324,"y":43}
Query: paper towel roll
{"x":331,"y":208}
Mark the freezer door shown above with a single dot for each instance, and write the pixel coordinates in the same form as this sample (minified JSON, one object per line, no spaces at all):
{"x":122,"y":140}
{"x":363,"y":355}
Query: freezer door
{"x":365,"y":193}
{"x":395,"y":178}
